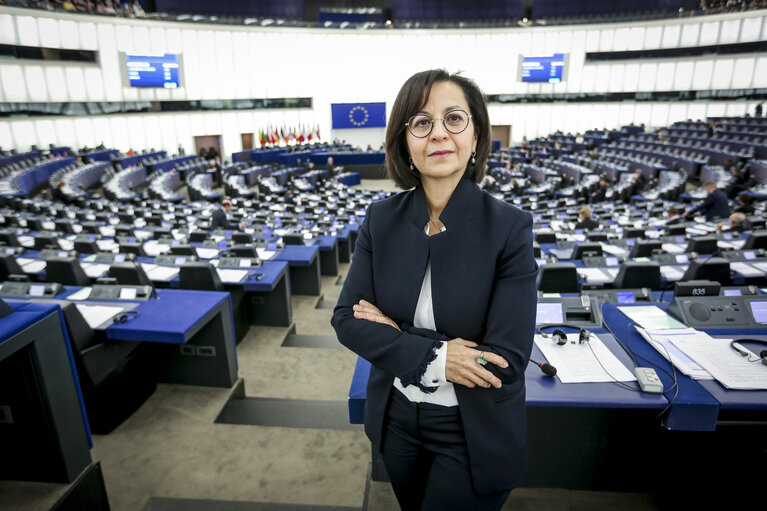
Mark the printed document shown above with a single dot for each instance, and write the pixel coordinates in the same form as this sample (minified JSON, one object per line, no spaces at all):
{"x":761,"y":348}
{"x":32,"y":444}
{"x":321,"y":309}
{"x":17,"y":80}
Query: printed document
{"x":96,"y":315}
{"x":583,"y":363}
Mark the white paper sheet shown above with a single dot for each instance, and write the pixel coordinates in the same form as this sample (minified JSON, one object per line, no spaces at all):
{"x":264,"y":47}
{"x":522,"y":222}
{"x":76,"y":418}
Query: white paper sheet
{"x":745,"y":269}
{"x":160,"y":273}
{"x":594,"y":275}
{"x":107,"y":245}
{"x":206,"y":253}
{"x":612,"y":249}
{"x":109,"y":232}
{"x":651,"y":317}
{"x":82,"y":294}
{"x":231,"y":276}
{"x":673,"y":248}
{"x":671,"y":273}
{"x":96,"y":315}
{"x":583,"y":363}
{"x":95,"y":270}
{"x":733,"y":370}
{"x":264,"y":254}
{"x":762,"y":265}
{"x":26,"y":241}
{"x":660,"y":340}
{"x":31,"y":265}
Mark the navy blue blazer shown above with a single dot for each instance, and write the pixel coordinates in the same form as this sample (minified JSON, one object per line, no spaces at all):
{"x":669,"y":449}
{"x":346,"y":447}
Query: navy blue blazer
{"x":715,"y":205}
{"x":483,"y":290}
{"x":218,"y":220}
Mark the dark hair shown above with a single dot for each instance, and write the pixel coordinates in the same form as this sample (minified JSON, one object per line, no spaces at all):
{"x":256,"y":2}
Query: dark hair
{"x":744,"y":199}
{"x":413,"y":95}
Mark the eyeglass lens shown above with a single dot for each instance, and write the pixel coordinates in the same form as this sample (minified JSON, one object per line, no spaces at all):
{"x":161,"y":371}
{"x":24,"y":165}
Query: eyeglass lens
{"x":454,"y":121}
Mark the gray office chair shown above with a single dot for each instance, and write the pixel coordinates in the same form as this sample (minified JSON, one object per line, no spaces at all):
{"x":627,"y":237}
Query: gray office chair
{"x":9,"y":266}
{"x":129,"y":274}
{"x":702,"y":245}
{"x":67,"y":271}
{"x":557,"y":278}
{"x":583,"y":248}
{"x":644,"y":248}
{"x":713,"y":268}
{"x":757,"y":239}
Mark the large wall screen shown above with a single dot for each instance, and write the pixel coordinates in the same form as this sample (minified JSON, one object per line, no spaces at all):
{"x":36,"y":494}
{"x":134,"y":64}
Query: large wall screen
{"x":160,"y":70}
{"x":549,"y":68}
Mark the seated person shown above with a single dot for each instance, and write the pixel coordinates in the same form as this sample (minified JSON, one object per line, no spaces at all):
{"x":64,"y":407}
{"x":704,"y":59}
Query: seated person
{"x":737,"y":222}
{"x":674,"y":215}
{"x":640,"y":181}
{"x":600,"y":194}
{"x":220,"y":217}
{"x":714,"y":206}
{"x":586,"y":222}
{"x":743,"y":204}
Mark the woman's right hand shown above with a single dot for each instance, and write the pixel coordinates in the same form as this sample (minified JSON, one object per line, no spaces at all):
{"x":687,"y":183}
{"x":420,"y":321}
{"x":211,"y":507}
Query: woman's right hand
{"x":462,"y":367}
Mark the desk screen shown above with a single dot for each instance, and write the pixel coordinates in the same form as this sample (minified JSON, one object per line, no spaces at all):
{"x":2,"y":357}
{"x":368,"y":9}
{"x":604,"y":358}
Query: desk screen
{"x":732,"y":292}
{"x":119,"y":258}
{"x":759,"y":311}
{"x":179,"y":261}
{"x":158,"y":70}
{"x":36,"y":290}
{"x":128,"y":293}
{"x":549,"y":68}
{"x":682,"y":258}
{"x":626,"y":297}
{"x":549,"y":313}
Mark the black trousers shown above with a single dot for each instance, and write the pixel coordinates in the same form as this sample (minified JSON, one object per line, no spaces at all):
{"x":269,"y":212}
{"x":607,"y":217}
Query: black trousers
{"x":424,"y":451}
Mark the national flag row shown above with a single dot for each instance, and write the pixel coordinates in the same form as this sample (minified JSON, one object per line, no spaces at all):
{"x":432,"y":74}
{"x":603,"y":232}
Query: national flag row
{"x":287,"y":136}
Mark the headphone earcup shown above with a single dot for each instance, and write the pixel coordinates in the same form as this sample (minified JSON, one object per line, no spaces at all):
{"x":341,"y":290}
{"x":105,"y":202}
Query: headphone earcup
{"x":763,"y":355}
{"x":583,"y":336}
{"x":561,"y":336}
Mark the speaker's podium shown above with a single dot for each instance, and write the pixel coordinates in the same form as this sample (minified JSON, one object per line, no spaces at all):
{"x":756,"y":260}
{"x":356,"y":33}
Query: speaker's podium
{"x":44,"y":434}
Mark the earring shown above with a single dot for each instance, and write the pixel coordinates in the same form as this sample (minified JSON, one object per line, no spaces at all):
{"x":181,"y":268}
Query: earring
{"x":411,"y":163}
{"x":473,"y":159}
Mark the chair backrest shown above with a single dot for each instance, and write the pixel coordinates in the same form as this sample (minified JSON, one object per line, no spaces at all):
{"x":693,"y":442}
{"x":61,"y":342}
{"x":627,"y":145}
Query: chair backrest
{"x":129,"y":274}
{"x":637,"y":275}
{"x":243,"y":251}
{"x":45,"y":240}
{"x":644,"y":248}
{"x":558,"y":278}
{"x":132,"y":248}
{"x":757,"y":239}
{"x":200,"y":276}
{"x":198,"y":236}
{"x":596,"y":236}
{"x":546,"y":237}
{"x":702,"y":245}
{"x":86,"y":247}
{"x":9,"y":239}
{"x":9,"y":266}
{"x":293,"y":239}
{"x":584,"y":248}
{"x":242,"y":238}
{"x":633,"y":233}
{"x":182,"y":250}
{"x":67,"y":271}
{"x":713,"y":268}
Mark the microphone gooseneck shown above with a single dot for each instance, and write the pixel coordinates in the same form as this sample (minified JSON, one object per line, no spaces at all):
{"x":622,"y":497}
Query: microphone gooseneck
{"x":548,"y":369}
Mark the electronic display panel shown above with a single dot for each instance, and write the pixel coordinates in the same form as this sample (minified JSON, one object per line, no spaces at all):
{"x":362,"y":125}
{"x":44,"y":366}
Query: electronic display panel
{"x":626,"y":297}
{"x":759,"y":311}
{"x":732,"y":292}
{"x":549,"y":68}
{"x":549,"y":313}
{"x":153,"y":70}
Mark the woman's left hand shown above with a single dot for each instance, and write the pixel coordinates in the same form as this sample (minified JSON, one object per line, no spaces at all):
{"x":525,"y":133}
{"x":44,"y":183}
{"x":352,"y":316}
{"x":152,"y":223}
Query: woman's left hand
{"x":369,"y":312}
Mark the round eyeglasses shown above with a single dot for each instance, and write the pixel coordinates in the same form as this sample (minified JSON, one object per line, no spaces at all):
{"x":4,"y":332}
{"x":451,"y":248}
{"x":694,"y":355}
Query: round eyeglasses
{"x":455,"y":121}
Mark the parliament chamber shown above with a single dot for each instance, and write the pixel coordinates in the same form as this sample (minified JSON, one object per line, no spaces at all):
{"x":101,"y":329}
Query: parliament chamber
{"x":171,"y":251}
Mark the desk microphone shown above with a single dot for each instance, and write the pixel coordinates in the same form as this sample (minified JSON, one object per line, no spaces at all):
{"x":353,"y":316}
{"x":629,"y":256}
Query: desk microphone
{"x":548,"y":369}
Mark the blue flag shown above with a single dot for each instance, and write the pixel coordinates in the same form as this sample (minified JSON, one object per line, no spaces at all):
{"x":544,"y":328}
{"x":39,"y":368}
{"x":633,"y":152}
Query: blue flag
{"x":358,"y":115}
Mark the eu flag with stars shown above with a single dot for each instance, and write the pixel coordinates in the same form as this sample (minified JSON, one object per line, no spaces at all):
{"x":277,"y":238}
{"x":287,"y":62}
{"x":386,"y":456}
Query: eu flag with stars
{"x":358,"y":115}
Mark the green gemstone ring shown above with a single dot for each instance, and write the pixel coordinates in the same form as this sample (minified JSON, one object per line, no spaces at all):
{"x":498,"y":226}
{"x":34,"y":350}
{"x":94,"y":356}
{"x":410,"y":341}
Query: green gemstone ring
{"x":481,"y":360}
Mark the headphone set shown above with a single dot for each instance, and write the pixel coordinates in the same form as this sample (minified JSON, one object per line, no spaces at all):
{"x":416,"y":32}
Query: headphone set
{"x":741,"y":350}
{"x":125,"y":316}
{"x":560,"y":336}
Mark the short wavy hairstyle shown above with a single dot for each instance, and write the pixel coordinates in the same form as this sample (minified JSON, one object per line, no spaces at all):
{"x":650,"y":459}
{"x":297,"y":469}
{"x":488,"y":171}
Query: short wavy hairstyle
{"x":412,"y":97}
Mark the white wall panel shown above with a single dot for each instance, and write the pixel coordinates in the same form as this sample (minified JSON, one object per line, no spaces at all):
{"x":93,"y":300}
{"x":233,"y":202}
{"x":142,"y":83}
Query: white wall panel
{"x":575,"y":62}
{"x":636,"y":38}
{"x":631,"y":78}
{"x":564,"y":43}
{"x":709,"y":33}
{"x":6,"y":137}
{"x":665,"y":77}
{"x":606,"y":39}
{"x":626,"y":113}
{"x":65,"y":133}
{"x":225,"y":63}
{"x":652,"y":37}
{"x":24,"y":135}
{"x":551,"y":44}
{"x":157,"y":40}
{"x":647,"y":75}
{"x":743,"y":73}
{"x":683,"y":75}
{"x":622,"y":39}
{"x":110,"y":63}
{"x":722,"y":74}
{"x":168,"y":143}
{"x":764,"y":29}
{"x":136,"y":134}
{"x":70,"y":37}
{"x":94,"y":84}
{"x":26,"y":28}
{"x":642,"y":113}
{"x":14,"y":85}
{"x":57,"y":91}
{"x":207,"y":70}
{"x":696,"y":111}
{"x":760,"y":72}
{"x":173,"y":40}
{"x":120,"y":139}
{"x":49,"y":32}
{"x":592,"y":40}
{"x":612,"y":116}
{"x":715,"y":109}
{"x":739,"y":108}
{"x":615,"y":78}
{"x":75,"y":83}
{"x":37,"y":88}
{"x":677,"y":112}
{"x":588,"y":78}
{"x":45,"y":131}
{"x":103,"y":132}
{"x":659,"y":116}
{"x":183,"y":133}
{"x":191,"y":73}
{"x":152,"y":132}
{"x":729,"y":32}
{"x":702,"y":75}
{"x":141,"y":43}
{"x":88,"y":36}
{"x":7,"y":29}
{"x":671,"y":36}
{"x":750,"y":30}
{"x":84,"y":132}
{"x":690,"y":32}
{"x":124,"y":38}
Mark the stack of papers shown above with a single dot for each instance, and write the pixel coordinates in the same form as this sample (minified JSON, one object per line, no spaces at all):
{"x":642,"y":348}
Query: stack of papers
{"x":746,"y":269}
{"x":160,"y":273}
{"x":673,"y":248}
{"x":231,"y":276}
{"x":583,"y":363}
{"x":31,"y":265}
{"x":264,"y":254}
{"x":96,"y":315}
{"x":95,"y":270}
{"x":206,"y":253}
{"x":671,"y":273}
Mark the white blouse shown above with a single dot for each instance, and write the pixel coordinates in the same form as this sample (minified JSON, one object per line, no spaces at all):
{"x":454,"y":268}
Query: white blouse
{"x":435,"y":371}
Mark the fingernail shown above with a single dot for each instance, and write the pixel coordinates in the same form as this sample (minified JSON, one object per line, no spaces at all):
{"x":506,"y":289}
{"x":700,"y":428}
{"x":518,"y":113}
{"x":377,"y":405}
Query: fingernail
{"x":497,"y":385}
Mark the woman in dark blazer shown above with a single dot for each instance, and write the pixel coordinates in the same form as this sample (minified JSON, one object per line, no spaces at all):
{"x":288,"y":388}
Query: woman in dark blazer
{"x":440,"y":298}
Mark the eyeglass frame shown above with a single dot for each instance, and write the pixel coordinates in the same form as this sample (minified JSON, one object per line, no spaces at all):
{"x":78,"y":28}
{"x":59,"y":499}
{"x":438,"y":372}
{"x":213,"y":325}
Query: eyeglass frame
{"x":407,"y":124}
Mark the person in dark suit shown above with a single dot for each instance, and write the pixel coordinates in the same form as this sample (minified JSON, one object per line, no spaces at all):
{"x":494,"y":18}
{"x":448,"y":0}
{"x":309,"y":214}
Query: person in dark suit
{"x":219,"y":218}
{"x":743,"y":204}
{"x":585,"y":221}
{"x":715,"y":204}
{"x":441,"y":299}
{"x":600,"y":194}
{"x":640,"y":181}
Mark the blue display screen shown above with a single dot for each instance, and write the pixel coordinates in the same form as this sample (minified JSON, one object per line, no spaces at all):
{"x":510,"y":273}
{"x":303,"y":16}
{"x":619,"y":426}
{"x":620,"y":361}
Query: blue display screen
{"x":543,"y":69}
{"x":626,"y":297}
{"x":732,"y":292}
{"x":549,"y":313}
{"x":153,"y":70}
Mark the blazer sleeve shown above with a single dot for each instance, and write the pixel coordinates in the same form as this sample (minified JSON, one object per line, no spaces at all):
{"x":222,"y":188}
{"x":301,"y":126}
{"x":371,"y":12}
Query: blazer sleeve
{"x":510,"y":324}
{"x":403,"y":354}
